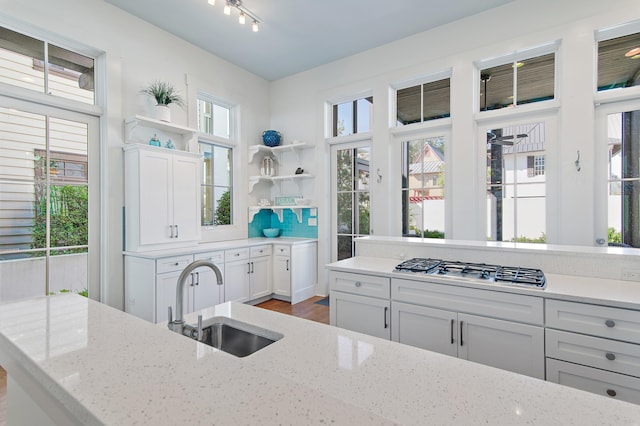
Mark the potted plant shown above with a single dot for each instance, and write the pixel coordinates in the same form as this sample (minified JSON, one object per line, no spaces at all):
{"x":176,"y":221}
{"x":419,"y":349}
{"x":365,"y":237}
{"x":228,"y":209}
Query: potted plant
{"x":164,"y":94}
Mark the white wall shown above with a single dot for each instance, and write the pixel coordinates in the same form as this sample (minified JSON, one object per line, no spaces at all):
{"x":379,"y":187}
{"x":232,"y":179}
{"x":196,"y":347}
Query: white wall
{"x":296,"y":108}
{"x":137,"y":53}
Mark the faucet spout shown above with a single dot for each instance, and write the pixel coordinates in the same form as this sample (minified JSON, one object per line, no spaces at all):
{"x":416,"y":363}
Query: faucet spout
{"x":178,"y":324}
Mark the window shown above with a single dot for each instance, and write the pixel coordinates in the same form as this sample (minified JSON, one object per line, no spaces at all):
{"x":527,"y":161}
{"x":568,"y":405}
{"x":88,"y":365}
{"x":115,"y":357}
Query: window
{"x":423,"y":208}
{"x":623,"y":178}
{"x":38,"y":65}
{"x":618,"y":62}
{"x":214,"y":119}
{"x":516,"y":185}
{"x":352,"y":117}
{"x":516,"y":81}
{"x":216,"y":184}
{"x":423,"y":102}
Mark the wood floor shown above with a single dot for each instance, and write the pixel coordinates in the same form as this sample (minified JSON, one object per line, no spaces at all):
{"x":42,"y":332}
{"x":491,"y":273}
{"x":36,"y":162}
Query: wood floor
{"x":308,"y":309}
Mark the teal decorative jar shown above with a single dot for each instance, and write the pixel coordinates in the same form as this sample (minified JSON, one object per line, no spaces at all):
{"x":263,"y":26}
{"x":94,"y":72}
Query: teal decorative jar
{"x":271,"y":138}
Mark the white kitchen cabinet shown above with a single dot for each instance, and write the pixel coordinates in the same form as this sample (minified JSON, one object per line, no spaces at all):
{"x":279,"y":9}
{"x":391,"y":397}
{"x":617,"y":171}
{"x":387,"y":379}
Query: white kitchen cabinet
{"x":206,"y":291}
{"x":294,"y":271}
{"x":248,"y":273}
{"x":360,"y":303}
{"x":504,"y":344}
{"x":594,"y":348}
{"x":162,"y":200}
{"x":260,"y":278}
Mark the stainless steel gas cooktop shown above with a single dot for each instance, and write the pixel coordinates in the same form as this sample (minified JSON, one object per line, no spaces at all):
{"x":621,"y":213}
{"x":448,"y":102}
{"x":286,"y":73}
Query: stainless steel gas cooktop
{"x":509,"y":275}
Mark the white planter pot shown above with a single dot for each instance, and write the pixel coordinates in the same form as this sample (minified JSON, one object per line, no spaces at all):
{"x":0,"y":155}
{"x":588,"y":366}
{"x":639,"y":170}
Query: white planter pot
{"x":163,"y":113}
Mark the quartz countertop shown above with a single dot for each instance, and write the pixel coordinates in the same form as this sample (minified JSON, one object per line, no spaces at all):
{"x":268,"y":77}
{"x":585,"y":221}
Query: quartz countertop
{"x":603,"y":291}
{"x":107,"y":367}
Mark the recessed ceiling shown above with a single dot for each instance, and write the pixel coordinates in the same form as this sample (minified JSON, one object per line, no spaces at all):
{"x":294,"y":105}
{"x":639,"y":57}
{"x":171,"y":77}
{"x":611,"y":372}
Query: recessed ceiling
{"x":297,"y":35}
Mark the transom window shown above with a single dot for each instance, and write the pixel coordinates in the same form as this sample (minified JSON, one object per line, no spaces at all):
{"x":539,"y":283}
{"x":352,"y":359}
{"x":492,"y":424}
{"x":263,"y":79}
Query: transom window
{"x":214,"y":118}
{"x":353,"y":117}
{"x":618,"y":62}
{"x":423,"y":102}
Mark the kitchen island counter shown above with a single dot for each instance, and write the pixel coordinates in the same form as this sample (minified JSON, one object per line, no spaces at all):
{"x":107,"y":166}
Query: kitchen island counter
{"x":83,"y":362}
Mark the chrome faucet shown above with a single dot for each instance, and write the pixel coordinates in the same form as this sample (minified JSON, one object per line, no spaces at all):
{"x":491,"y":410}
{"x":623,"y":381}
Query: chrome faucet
{"x":178,"y":324}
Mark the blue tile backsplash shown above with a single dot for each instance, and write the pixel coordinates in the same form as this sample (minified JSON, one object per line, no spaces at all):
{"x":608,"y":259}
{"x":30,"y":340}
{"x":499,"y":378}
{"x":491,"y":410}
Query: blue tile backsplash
{"x":290,"y":227}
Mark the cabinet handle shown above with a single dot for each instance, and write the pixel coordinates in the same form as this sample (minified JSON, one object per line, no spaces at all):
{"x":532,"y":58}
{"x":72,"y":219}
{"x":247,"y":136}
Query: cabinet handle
{"x":192,"y":280}
{"x":358,"y":283}
{"x":386,"y":324}
{"x":171,"y":228}
{"x":197,"y":278}
{"x":177,"y":263}
{"x":610,"y":323}
{"x":176,"y":231}
{"x":452,"y":325}
{"x":461,"y":341}
{"x":611,"y":392}
{"x":287,"y":264}
{"x":248,"y":267}
{"x":252,"y":267}
{"x":610,"y":356}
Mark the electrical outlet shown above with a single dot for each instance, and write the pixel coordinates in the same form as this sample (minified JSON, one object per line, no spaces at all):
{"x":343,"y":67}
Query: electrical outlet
{"x":631,"y":274}
{"x":312,"y":221}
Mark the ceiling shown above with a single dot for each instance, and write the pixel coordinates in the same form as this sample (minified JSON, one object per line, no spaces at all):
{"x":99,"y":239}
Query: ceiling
{"x":297,"y":35}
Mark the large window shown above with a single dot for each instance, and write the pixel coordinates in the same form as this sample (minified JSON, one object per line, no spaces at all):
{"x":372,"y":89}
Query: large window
{"x":623,"y":178}
{"x":516,"y":183}
{"x":423,"y":171}
{"x":423,"y":102}
{"x":217,"y":193}
{"x":516,"y":80}
{"x":353,"y":117}
{"x":619,"y":62}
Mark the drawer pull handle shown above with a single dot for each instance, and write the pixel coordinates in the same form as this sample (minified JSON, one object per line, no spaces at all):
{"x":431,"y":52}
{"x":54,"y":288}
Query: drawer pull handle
{"x":610,"y":356}
{"x":610,"y":323}
{"x":452,"y":325}
{"x":461,"y":326}
{"x":611,"y":392}
{"x":386,"y":324}
{"x":358,"y":283}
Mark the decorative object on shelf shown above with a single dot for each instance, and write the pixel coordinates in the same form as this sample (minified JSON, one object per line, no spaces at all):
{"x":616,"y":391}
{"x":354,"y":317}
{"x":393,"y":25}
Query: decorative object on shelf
{"x":154,"y":141}
{"x":264,"y":202}
{"x":299,"y":171}
{"x":164,"y":94}
{"x":271,"y":138}
{"x":267,"y":167}
{"x":271,"y":232}
{"x":287,"y":200}
{"x":303,"y":201}
{"x":244,"y":12}
{"x":169,"y":145}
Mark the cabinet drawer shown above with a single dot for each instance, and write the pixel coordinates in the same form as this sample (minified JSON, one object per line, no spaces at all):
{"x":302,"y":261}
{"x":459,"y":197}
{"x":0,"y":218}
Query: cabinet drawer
{"x":236,"y":254}
{"x":612,"y":385}
{"x":365,"y":285}
{"x":508,"y":306}
{"x":258,"y":251}
{"x":594,"y":352}
{"x":602,"y":321}
{"x":212,"y":256}
{"x":171,"y":264}
{"x":282,"y":250}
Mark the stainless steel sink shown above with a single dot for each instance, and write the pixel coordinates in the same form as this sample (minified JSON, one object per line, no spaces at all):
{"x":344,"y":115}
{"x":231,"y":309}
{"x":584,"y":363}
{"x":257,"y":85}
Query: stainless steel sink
{"x":235,"y":337}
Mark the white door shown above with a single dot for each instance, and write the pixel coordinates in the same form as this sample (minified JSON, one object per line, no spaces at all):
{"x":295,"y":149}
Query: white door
{"x":166,"y":285}
{"x":186,"y":198}
{"x":366,"y":315}
{"x":260,"y":276}
{"x":426,"y":328}
{"x":502,"y":344}
{"x":156,"y":189}
{"x":236,"y":279}
{"x":207,"y":292}
{"x":281,"y":275}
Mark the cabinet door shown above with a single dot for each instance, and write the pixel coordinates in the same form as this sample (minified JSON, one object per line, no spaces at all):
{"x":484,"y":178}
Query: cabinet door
{"x":426,"y":328}
{"x":260,"y":277}
{"x":166,"y":285}
{"x":207,"y":292}
{"x":502,"y":344}
{"x":155,"y":192}
{"x":236,"y":281}
{"x":360,"y":313}
{"x":304,"y":271}
{"x":186,"y":198}
{"x":282,"y":275}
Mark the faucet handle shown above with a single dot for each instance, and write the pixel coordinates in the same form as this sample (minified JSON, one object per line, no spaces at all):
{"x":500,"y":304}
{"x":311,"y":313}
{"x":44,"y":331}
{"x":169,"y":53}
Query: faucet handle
{"x":200,"y":331}
{"x":170,"y":315}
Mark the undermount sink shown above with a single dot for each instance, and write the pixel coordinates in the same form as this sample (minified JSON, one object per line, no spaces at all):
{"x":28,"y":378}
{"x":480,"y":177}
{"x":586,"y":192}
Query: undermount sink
{"x":235,"y":337}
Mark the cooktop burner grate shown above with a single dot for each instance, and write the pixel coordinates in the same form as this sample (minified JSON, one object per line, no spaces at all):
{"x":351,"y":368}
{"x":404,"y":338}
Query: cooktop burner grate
{"x":517,"y":275}
{"x":418,"y":265}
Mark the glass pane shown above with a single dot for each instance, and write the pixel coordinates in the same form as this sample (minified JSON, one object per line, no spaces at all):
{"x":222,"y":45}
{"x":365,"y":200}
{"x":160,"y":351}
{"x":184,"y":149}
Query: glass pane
{"x":24,"y":277}
{"x":345,"y":247}
{"x":618,"y":61}
{"x":68,"y":272}
{"x":345,"y":213}
{"x":207,"y":205}
{"x":19,"y":55}
{"x":496,"y":87}
{"x":69,"y":208}
{"x":221,"y":119}
{"x":364,"y":110}
{"x":435,"y":100}
{"x":536,"y":78}
{"x":345,"y":170}
{"x":207,"y":163}
{"x":363,"y":156}
{"x":364,"y":208}
{"x":71,"y":75}
{"x":408,"y":106}
{"x":222,"y":206}
{"x":222,"y":166}
{"x":343,"y":119}
{"x":531,"y":208}
{"x":205,"y":117}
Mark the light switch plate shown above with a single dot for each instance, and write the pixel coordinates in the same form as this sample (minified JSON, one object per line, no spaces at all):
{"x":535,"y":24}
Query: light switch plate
{"x":312,"y":221}
{"x":313,"y":212}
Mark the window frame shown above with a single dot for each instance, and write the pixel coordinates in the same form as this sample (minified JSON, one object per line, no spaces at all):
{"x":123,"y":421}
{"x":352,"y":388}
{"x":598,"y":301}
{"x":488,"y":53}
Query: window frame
{"x":332,"y":123}
{"x":417,"y":81}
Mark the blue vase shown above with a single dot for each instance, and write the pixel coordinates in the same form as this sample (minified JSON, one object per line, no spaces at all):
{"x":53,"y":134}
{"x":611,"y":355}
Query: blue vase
{"x":271,"y":137}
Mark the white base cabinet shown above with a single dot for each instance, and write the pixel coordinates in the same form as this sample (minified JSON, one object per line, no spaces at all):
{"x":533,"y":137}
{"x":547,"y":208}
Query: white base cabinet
{"x":247,"y":273}
{"x":295,"y":271}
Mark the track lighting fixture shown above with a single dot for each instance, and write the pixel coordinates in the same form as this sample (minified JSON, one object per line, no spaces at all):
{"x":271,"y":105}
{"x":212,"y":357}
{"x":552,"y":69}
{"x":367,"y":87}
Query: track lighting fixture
{"x":244,"y":13}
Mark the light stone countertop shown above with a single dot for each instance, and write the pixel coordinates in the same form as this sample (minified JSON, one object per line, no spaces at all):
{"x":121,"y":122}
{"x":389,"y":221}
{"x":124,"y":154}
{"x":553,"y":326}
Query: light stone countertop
{"x":602,"y":291}
{"x":108,"y":367}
